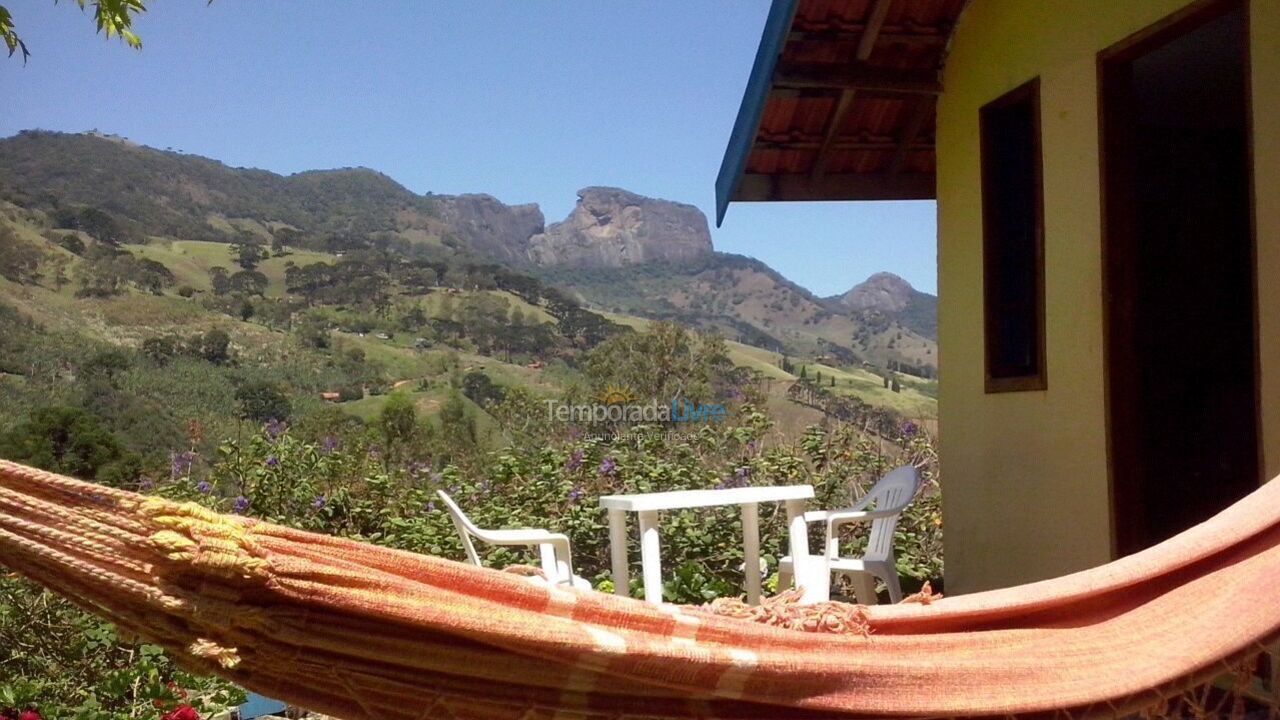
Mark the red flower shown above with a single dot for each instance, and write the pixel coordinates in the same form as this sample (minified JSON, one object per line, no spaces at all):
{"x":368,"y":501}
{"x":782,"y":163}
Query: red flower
{"x":29,"y":714}
{"x":182,"y":712}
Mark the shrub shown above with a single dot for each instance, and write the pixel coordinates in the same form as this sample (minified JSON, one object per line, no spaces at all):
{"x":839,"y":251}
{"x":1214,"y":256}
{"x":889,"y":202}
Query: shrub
{"x":70,"y":441}
{"x":261,"y":401}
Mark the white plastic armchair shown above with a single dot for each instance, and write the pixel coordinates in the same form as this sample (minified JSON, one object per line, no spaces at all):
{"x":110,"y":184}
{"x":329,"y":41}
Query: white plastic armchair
{"x":553,"y":548}
{"x":887,"y":498}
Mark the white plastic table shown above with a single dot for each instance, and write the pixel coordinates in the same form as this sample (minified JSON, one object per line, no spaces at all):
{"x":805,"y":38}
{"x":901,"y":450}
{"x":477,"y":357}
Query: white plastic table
{"x":647,"y":506}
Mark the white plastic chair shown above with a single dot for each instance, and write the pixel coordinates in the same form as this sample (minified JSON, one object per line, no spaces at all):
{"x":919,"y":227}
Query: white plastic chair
{"x":890,"y":496}
{"x":553,"y":548}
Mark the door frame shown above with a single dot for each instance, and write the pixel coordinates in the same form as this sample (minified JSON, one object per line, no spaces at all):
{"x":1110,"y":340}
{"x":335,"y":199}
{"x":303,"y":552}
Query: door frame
{"x":1117,"y":219}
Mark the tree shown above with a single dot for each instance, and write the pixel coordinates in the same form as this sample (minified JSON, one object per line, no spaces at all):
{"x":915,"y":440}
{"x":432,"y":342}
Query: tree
{"x":248,"y":282}
{"x":150,"y":275}
{"x":213,"y":346}
{"x":248,"y":254}
{"x":71,"y":244}
{"x":398,"y":421}
{"x":112,"y":17}
{"x":481,"y":389}
{"x":161,"y":350}
{"x":262,"y":401}
{"x":19,"y":260}
{"x":70,"y":441}
{"x":219,"y":280}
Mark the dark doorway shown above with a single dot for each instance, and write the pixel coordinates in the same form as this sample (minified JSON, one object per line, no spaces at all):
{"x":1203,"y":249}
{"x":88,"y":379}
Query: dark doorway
{"x":1178,"y":253}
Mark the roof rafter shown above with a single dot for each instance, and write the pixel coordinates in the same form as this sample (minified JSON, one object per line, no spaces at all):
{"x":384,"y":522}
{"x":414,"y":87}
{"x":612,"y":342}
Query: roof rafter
{"x":915,"y":123}
{"x":875,"y":22}
{"x":866,"y":44}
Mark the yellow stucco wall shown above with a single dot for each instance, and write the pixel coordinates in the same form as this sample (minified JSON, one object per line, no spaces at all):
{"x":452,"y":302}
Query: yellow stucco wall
{"x":1026,"y":473}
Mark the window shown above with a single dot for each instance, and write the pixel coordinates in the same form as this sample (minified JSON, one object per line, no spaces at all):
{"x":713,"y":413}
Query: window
{"x":1013,"y":241}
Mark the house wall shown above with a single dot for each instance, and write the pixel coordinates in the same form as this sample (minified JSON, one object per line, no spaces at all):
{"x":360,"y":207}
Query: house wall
{"x":1026,"y":472}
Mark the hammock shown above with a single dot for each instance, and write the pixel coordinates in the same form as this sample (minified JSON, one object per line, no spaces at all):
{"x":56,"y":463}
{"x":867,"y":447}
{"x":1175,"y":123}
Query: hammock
{"x":369,"y":633}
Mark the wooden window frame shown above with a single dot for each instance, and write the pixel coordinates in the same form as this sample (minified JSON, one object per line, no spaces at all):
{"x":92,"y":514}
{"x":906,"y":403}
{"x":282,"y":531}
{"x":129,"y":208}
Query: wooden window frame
{"x":1038,"y":379}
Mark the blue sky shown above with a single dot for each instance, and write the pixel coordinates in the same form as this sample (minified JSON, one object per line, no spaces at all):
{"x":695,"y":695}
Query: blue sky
{"x":527,"y":101}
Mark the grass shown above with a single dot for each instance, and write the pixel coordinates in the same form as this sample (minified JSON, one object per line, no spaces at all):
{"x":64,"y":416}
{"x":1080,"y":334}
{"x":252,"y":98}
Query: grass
{"x":869,"y":386}
{"x":427,"y":403}
{"x":190,"y":260}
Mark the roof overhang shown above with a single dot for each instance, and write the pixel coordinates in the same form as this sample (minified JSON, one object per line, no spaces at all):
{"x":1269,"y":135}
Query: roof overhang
{"x":841,"y":103}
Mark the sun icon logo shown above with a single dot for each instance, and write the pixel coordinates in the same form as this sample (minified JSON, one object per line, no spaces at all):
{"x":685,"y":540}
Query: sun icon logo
{"x":615,"y":395}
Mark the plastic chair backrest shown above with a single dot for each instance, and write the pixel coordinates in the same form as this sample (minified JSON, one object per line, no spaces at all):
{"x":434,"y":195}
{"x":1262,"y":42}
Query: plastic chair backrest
{"x":893,"y":493}
{"x":464,"y":526}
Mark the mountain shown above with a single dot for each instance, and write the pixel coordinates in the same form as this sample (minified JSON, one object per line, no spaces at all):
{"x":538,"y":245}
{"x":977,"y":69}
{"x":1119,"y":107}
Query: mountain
{"x":616,"y":250}
{"x":491,"y":228}
{"x":162,"y":193}
{"x":611,"y":227}
{"x":887,"y":295}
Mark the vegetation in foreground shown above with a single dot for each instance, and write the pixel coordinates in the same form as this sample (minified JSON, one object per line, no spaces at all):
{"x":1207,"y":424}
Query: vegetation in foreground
{"x":377,"y":483}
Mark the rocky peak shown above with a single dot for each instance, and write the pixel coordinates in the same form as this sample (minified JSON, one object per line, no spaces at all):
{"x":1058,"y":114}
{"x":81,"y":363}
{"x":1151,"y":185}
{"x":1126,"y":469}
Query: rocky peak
{"x":490,"y":227}
{"x":611,"y":227}
{"x":883,"y":291}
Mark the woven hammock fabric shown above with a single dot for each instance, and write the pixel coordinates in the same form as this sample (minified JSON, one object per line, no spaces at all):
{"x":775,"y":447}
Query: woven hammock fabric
{"x":369,"y":633}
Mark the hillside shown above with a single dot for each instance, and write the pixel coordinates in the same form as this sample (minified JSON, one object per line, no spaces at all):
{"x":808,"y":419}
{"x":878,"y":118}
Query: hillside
{"x":885,"y":296}
{"x":750,"y":302}
{"x":616,"y":250}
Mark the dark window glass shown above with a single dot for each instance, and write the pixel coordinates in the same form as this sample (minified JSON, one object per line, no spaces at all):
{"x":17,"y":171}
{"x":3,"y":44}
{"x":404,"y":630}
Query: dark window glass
{"x":1013,"y":241}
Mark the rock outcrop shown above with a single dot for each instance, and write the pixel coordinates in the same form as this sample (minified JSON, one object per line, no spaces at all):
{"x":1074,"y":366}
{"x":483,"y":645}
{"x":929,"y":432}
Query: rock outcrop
{"x":887,"y":296}
{"x":490,"y":227}
{"x":883,"y":291}
{"x":614,"y":228}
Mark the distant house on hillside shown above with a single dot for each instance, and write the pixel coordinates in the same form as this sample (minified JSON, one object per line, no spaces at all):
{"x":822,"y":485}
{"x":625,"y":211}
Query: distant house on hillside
{"x":1108,"y":185}
{"x":330,"y":396}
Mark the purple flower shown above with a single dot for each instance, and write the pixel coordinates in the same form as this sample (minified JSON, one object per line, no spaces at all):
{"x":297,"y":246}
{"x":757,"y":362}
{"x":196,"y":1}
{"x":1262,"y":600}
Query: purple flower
{"x":574,"y":462}
{"x":318,"y":502}
{"x":272,"y":461}
{"x":180,"y":463}
{"x":751,"y":446}
{"x":909,"y":428}
{"x":431,"y":506}
{"x":203,"y":487}
{"x":328,"y":444}
{"x":275,"y":428}
{"x":146,"y":484}
{"x":240,"y":505}
{"x":608,"y":467}
{"x":575,"y":494}
{"x":742,"y":473}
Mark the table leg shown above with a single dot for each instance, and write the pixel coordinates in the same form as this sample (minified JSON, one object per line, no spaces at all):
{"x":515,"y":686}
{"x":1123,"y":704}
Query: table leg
{"x":864,"y":588}
{"x":810,"y":572}
{"x":751,"y":550}
{"x":618,"y":552}
{"x":651,"y":556}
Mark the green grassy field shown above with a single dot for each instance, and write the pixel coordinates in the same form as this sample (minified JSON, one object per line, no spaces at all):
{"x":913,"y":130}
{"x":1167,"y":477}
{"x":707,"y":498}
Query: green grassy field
{"x":190,"y":260}
{"x":869,"y":386}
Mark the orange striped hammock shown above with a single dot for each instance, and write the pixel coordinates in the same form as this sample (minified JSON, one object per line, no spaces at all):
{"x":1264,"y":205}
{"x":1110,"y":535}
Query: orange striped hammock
{"x":369,"y":633}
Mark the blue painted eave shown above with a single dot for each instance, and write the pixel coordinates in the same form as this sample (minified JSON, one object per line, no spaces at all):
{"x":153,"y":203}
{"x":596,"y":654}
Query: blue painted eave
{"x":745,"y":126}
